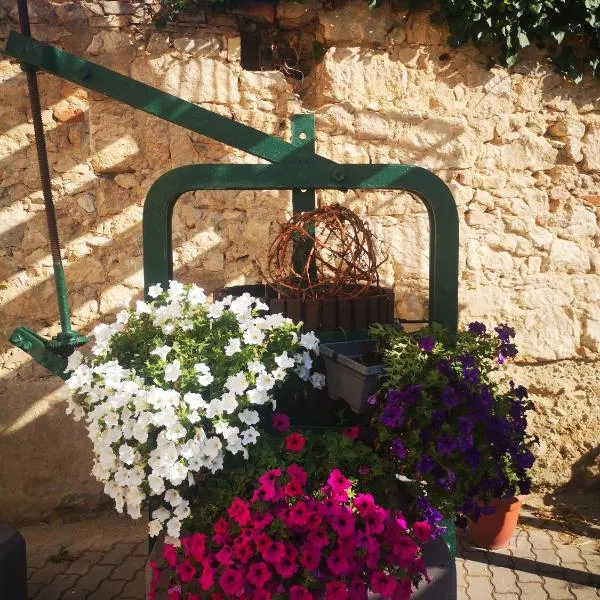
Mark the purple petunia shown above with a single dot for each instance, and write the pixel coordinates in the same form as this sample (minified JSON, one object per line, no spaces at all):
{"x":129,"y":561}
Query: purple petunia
{"x":427,"y":343}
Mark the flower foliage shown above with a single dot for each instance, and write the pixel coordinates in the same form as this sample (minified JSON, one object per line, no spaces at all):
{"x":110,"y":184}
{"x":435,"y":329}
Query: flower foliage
{"x":568,"y":29}
{"x":174,"y":387}
{"x":449,"y":423}
{"x":291,"y":540}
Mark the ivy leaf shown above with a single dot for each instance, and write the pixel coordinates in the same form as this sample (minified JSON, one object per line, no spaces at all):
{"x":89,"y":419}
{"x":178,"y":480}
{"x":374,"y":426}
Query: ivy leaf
{"x":523,"y":39}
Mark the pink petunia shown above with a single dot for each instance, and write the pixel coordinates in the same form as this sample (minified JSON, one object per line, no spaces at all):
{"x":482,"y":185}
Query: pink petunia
{"x":223,"y":556}
{"x":261,"y":520}
{"x":298,"y":592}
{"x":401,"y":521}
{"x":264,"y":493}
{"x":343,"y":522}
{"x":422,"y":531}
{"x":339,"y":485}
{"x":404,"y":550}
{"x":337,"y":563}
{"x":287,"y":566}
{"x":299,"y":514}
{"x":363,"y":502}
{"x":297,"y":472}
{"x":174,"y":593}
{"x":196,"y":546}
{"x":185,"y":571}
{"x":403,"y":589}
{"x":384,"y":584}
{"x":270,"y":477}
{"x":294,"y":488}
{"x":231,"y":581}
{"x":221,"y":527}
{"x":318,"y":538}
{"x":310,"y":558}
{"x":374,"y":519}
{"x":239,"y":512}
{"x":273,"y":552}
{"x":206,"y":580}
{"x":336,"y":590}
{"x":357,"y":590}
{"x":258,"y":574}
{"x":351,"y":432}
{"x":170,"y":554}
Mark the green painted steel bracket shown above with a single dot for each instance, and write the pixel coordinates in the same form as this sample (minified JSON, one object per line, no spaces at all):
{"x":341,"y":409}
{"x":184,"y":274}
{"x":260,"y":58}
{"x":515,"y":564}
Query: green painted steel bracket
{"x":443,"y":216}
{"x":156,"y":102}
{"x":40,"y":350}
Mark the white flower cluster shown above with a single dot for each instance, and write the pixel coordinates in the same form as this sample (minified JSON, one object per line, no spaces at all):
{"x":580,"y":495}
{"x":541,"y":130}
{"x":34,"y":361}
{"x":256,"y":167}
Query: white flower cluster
{"x":151,"y":437}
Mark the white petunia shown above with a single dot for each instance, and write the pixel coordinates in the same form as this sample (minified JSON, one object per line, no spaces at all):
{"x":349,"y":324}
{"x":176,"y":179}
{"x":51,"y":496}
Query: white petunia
{"x":284,"y":361}
{"x":176,"y":290}
{"x":174,"y":527}
{"x":194,"y":401}
{"x":317,"y":380}
{"x":173,"y":497}
{"x":249,"y":417}
{"x":141,"y":308}
{"x":253,"y":335}
{"x":204,"y":376}
{"x":173,"y":370}
{"x":156,"y":483}
{"x":162,"y":352}
{"x":154,"y":291}
{"x":161,"y":514}
{"x":234,"y":345}
{"x":249,"y":436}
{"x":214,"y":409}
{"x":237,"y":384}
{"x":228,"y":403}
{"x":74,"y":361}
{"x":310,"y":341}
{"x":265,"y":381}
{"x":215,"y":311}
{"x":255,"y":366}
{"x":257,"y":396}
{"x":193,"y":417}
{"x":154,"y":528}
{"x":213,"y":447}
{"x":196,"y":295}
{"x":127,"y":454}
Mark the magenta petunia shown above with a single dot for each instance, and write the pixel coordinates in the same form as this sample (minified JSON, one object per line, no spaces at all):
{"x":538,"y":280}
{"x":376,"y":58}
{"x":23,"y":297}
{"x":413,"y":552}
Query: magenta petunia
{"x":280,"y":422}
{"x":382,"y":583}
{"x":223,"y":556}
{"x":231,"y":581}
{"x":287,"y":566}
{"x":422,"y":531}
{"x":174,"y":593}
{"x":336,"y":590}
{"x":294,"y":488}
{"x":239,"y":512}
{"x":273,"y":552}
{"x":170,"y":554}
{"x":351,"y":432}
{"x":337,"y":563}
{"x":298,"y":473}
{"x":363,"y":502}
{"x":186,"y":571}
{"x":298,"y":592}
{"x":206,"y":580}
{"x":299,"y":514}
{"x":339,"y":485}
{"x":258,"y":574}
{"x":343,"y":522}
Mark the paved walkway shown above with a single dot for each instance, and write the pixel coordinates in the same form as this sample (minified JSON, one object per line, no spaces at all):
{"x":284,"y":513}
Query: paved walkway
{"x":103,"y":559}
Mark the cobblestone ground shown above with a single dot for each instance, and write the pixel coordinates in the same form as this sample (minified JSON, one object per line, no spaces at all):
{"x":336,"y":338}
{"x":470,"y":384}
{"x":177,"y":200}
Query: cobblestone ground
{"x":104,"y":558}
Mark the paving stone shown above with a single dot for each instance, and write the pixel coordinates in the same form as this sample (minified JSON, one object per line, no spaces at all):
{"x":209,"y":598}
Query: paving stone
{"x":61,"y":583}
{"x":569,"y":554}
{"x":476,"y":568}
{"x":45,"y":575}
{"x":581,"y":592}
{"x":507,"y":596}
{"x":547,"y":561}
{"x":504,"y":580}
{"x":461,"y":594}
{"x":533,"y":591}
{"x":479,"y":587}
{"x":136,"y":588}
{"x":92,"y":579}
{"x":527,"y":577}
{"x":141,"y":549}
{"x":127,"y":570}
{"x":540,"y":540}
{"x":78,"y":567}
{"x":117,"y":555}
{"x":108,"y":589}
{"x":557,"y":589}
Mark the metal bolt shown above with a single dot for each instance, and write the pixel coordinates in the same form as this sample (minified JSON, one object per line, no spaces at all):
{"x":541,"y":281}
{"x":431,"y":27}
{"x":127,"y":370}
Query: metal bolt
{"x":84,"y":72}
{"x":17,"y":339}
{"x":27,"y":346}
{"x":338,"y":176}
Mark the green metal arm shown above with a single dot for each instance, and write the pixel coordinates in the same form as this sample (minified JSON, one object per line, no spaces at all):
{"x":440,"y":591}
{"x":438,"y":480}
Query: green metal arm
{"x":443,"y":216}
{"x":154,"y":101}
{"x":39,"y":349}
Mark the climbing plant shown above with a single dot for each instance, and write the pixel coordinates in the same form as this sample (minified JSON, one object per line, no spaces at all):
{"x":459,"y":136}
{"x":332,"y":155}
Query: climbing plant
{"x":568,"y":29}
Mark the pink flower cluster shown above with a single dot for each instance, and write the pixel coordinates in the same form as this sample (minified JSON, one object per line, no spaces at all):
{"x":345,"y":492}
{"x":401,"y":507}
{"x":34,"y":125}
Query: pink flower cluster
{"x":285,"y":542}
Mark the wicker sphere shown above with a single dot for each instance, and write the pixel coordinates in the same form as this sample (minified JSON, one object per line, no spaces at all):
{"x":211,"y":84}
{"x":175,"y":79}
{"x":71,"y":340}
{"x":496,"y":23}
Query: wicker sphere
{"x":325,"y":253}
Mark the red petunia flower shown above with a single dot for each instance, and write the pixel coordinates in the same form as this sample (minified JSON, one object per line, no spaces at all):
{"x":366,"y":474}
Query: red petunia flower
{"x":295,"y":442}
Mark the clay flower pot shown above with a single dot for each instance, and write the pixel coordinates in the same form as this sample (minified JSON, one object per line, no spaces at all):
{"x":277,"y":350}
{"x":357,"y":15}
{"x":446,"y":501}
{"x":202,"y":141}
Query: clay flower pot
{"x":494,"y":531}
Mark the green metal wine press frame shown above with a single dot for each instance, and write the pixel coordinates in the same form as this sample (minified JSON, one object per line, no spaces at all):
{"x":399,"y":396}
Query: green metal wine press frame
{"x":297,"y":168}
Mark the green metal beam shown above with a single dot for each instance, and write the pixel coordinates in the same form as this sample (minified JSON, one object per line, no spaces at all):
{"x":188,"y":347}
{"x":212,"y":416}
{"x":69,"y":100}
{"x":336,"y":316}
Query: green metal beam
{"x":443,"y":216}
{"x":154,"y":101}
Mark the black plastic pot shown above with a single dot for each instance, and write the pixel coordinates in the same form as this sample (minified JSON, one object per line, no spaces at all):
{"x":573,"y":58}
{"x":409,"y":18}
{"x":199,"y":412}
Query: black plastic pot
{"x":347,"y":377}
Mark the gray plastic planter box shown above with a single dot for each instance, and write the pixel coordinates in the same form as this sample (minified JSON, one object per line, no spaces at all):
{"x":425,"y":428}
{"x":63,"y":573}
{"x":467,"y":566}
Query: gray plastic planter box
{"x":346,"y":377}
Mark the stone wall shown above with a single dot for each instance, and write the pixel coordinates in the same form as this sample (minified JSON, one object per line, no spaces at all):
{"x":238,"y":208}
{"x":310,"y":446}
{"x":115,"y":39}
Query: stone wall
{"x":520,"y":151}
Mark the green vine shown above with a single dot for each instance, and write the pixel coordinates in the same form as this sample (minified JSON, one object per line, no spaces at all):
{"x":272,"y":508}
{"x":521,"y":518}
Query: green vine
{"x":569,"y":30}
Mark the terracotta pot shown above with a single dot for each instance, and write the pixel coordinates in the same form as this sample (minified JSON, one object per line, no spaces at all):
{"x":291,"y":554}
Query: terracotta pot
{"x":494,"y":531}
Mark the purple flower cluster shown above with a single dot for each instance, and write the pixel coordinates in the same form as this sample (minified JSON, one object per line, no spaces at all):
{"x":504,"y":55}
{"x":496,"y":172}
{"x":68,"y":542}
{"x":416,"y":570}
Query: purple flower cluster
{"x":456,"y":430}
